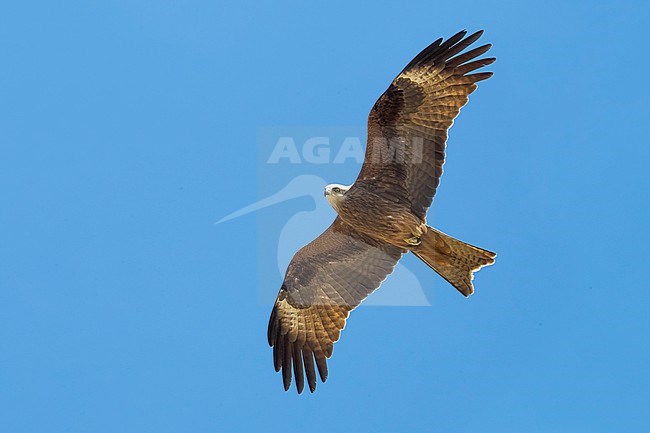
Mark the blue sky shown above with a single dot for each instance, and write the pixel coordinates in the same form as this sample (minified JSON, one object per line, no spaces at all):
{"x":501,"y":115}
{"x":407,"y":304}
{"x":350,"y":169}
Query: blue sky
{"x":128,"y":128}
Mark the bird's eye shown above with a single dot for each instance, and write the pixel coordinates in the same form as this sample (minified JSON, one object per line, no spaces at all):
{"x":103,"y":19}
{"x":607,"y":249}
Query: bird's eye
{"x":336,"y":189}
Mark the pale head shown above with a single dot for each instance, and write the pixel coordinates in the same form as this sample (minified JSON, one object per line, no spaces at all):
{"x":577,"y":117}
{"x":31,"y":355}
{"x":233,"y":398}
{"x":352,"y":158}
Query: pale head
{"x":334,"y":193}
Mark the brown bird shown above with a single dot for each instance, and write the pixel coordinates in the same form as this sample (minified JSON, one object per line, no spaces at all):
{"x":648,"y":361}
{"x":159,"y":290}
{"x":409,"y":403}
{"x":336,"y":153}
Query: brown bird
{"x":382,"y":215}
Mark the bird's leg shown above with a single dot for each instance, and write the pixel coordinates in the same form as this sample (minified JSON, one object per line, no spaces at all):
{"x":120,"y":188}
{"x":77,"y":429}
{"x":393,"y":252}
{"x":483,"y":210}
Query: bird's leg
{"x":413,"y":240}
{"x":416,"y":239}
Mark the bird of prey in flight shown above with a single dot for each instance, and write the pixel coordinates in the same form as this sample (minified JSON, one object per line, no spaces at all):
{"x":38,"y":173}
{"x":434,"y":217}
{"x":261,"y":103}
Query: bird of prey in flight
{"x":383,"y":214}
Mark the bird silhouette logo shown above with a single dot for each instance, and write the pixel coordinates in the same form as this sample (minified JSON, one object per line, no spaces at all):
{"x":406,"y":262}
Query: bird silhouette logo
{"x":402,"y":289}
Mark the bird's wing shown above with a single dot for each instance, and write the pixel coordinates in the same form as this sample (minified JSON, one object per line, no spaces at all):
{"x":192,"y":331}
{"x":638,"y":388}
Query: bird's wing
{"x":407,"y":127}
{"x":325,"y":280}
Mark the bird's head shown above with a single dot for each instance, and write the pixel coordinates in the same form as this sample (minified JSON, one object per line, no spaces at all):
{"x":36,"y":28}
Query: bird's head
{"x":334,"y":193}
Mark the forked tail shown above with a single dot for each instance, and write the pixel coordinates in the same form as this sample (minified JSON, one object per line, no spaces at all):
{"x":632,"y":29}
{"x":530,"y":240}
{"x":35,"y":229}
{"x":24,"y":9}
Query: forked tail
{"x":453,"y":260}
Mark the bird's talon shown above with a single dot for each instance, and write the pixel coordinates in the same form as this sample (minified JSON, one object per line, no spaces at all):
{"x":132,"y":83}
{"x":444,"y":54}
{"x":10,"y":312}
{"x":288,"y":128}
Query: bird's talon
{"x":414,"y":240}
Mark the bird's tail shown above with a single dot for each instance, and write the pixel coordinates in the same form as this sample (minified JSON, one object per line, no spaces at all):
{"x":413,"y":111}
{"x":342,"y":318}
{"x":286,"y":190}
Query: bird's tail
{"x":453,"y":260}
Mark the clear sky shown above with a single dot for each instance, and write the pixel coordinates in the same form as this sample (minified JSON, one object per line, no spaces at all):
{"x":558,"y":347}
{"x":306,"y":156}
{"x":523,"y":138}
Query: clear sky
{"x":127,"y":128}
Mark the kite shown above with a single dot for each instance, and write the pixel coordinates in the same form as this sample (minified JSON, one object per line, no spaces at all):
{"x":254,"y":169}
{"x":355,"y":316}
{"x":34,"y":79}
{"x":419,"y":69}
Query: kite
{"x":382,"y":216}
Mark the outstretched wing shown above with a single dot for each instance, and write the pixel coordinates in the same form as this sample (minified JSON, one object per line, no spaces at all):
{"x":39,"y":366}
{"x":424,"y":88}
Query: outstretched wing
{"x":325,"y":280}
{"x":407,"y":127}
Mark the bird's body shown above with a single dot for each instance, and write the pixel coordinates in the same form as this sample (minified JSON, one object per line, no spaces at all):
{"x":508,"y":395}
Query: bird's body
{"x":385,"y":217}
{"x":383,"y":214}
